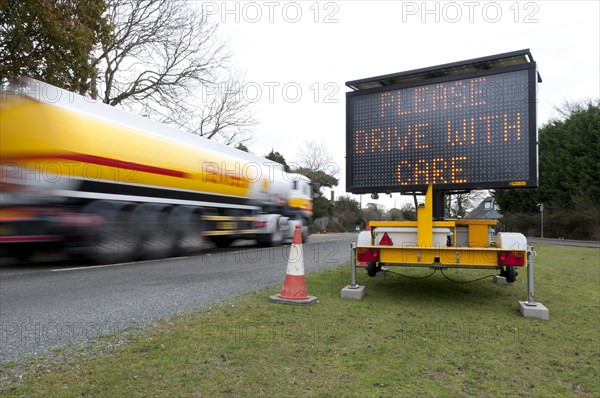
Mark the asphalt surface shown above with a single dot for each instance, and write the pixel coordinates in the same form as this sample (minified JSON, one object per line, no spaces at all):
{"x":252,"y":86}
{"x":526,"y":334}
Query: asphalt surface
{"x":50,"y":305}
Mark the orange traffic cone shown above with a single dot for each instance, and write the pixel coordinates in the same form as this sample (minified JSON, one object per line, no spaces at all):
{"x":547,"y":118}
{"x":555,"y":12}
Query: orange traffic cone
{"x":294,"y":286}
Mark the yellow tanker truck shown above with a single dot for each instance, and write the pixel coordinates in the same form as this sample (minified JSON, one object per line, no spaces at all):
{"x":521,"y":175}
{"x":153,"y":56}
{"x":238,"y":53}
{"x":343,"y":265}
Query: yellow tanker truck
{"x":111,"y":186}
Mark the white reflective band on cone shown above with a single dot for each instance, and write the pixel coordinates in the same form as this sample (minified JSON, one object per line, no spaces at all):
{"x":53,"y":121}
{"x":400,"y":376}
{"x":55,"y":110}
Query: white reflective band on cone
{"x":296,"y":261}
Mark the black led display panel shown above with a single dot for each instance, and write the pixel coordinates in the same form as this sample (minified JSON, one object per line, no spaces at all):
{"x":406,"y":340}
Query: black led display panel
{"x":478,"y":131}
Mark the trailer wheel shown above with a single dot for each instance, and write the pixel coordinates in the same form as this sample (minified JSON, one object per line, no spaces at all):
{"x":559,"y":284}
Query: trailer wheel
{"x":510,"y":273}
{"x":113,"y":241}
{"x":373,"y":269}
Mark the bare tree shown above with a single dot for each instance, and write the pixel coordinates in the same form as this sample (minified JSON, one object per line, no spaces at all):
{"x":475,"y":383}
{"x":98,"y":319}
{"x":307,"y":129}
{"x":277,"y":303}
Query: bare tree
{"x":568,"y":108}
{"x":161,"y":56}
{"x":220,"y":112}
{"x":315,"y":156}
{"x":374,"y":212}
{"x":315,"y":162}
{"x":458,"y":204}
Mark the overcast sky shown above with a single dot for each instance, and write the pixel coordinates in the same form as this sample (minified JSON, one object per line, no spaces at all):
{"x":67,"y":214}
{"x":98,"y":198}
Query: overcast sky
{"x":297,"y":56}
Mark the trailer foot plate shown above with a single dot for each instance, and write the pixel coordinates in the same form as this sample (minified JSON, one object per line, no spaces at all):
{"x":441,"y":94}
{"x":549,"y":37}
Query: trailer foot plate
{"x":355,"y":292}
{"x":537,"y":311}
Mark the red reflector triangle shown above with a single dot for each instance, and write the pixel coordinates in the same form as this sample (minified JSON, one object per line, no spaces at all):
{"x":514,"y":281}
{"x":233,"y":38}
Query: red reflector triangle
{"x":386,"y":240}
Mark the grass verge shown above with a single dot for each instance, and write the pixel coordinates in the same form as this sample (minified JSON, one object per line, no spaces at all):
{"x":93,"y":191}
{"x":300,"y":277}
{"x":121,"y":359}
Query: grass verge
{"x":410,"y":338}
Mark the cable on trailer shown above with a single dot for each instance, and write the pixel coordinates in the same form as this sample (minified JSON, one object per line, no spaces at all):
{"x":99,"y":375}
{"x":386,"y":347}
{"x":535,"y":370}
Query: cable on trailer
{"x":412,"y":277}
{"x":474,"y":280}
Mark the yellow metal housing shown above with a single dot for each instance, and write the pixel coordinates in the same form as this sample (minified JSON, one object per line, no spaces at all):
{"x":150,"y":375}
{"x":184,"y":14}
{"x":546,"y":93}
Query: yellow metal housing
{"x":479,"y":252}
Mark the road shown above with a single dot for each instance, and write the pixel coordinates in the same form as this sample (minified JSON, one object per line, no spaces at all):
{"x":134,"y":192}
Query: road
{"x":46,"y":306}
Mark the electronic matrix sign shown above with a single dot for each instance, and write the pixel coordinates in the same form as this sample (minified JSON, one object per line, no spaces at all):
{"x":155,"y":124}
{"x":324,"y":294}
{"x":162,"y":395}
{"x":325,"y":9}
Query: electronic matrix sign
{"x":458,"y":126}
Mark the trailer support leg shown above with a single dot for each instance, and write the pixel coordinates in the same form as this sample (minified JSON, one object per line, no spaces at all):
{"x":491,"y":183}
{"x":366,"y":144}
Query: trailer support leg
{"x":530,"y":255}
{"x":353,"y":291}
{"x":529,"y":308}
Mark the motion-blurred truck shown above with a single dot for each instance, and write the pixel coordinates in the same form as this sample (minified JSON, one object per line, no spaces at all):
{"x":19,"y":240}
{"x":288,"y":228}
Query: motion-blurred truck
{"x":110,"y":186}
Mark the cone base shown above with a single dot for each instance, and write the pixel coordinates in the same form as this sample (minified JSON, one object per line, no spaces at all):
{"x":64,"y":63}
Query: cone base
{"x":294,"y":288}
{"x":278,"y":299}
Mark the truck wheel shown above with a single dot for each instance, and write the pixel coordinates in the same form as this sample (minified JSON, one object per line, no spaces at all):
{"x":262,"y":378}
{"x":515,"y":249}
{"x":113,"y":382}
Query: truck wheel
{"x":305,"y":230}
{"x":151,"y":222}
{"x":222,"y":241}
{"x":113,"y":241}
{"x":186,"y":226}
{"x":23,"y":256}
{"x":373,"y":269}
{"x":510,"y":273}
{"x":274,"y":239}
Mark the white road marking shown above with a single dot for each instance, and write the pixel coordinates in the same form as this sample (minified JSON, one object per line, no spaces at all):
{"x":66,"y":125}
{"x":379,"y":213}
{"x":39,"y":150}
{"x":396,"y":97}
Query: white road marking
{"x":113,"y":265}
{"x":172,"y":258}
{"x":88,"y":267}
